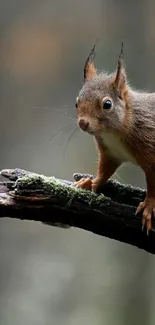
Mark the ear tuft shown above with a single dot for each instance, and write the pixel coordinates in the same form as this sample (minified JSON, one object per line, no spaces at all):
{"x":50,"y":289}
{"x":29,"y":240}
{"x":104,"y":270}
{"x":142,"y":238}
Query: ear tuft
{"x":120,"y":82}
{"x":89,"y":67}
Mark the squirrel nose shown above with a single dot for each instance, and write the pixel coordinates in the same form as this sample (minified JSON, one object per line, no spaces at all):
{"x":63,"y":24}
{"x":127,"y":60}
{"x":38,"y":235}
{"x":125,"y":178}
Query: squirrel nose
{"x":83,"y":125}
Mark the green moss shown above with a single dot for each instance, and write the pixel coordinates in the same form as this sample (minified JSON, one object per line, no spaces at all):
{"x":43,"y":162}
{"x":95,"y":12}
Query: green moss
{"x":51,"y":186}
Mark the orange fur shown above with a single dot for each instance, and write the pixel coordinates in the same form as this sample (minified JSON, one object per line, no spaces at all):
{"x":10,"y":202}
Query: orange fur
{"x":125,"y":132}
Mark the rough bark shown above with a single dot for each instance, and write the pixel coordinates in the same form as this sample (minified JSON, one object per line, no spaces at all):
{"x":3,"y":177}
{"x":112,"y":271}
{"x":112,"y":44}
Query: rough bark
{"x":52,"y":201}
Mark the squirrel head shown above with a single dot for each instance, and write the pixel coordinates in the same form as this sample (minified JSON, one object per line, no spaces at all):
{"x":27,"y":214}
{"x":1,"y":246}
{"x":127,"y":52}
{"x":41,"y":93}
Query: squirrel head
{"x":101,"y":103}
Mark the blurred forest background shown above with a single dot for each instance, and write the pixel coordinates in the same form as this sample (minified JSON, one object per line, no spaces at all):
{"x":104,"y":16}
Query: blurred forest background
{"x":50,"y":275}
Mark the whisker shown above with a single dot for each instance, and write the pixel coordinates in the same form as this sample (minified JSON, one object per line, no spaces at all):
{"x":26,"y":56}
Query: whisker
{"x":95,"y":162}
{"x":57,"y":132}
{"x":64,"y":112}
{"x":70,"y":137}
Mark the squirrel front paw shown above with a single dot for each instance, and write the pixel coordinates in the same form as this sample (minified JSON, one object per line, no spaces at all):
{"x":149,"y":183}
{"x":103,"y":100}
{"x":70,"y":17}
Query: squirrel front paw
{"x":87,"y":183}
{"x":84,"y":183}
{"x":148,"y":208}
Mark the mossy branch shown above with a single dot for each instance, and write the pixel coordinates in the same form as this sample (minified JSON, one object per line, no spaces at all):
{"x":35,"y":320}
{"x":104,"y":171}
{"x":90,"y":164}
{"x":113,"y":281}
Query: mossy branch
{"x":55,"y":202}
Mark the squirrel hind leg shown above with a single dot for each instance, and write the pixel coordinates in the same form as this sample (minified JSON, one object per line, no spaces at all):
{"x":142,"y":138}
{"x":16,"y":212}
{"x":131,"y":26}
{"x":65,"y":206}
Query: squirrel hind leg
{"x":147,"y":207}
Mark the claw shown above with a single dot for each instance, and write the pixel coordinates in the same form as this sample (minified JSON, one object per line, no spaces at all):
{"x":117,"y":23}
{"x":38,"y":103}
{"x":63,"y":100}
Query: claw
{"x":88,"y":183}
{"x":148,"y":207}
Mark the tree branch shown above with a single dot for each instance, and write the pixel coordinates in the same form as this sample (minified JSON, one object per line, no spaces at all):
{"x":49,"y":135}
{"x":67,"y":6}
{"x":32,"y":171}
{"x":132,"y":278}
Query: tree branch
{"x":55,"y":202}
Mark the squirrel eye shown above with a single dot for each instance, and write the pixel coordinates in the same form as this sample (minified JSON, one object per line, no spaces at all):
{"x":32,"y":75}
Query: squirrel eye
{"x":107,"y":104}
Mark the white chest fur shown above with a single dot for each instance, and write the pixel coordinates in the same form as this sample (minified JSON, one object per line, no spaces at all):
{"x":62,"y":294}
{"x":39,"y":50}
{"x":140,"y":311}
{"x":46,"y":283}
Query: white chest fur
{"x":117,"y":147}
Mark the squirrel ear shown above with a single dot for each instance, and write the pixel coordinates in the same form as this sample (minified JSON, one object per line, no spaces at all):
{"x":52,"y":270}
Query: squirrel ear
{"x":89,"y":67}
{"x":120,"y":79}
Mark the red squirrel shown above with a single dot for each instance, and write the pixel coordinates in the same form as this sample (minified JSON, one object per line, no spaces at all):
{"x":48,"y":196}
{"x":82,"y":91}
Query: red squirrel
{"x":122,"y":122}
